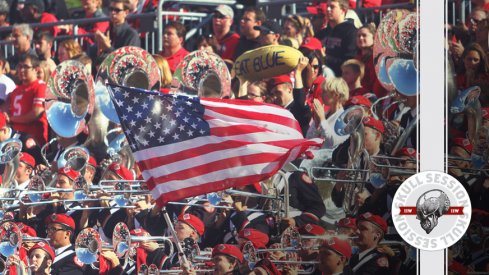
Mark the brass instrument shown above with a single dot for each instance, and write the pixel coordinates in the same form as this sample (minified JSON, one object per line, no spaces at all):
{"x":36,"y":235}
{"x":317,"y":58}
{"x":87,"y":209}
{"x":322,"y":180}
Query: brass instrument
{"x":202,"y":74}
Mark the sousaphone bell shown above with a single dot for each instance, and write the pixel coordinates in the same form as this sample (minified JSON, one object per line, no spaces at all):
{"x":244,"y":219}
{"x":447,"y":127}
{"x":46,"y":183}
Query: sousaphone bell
{"x":70,"y":98}
{"x":202,"y":74}
{"x":127,"y":66}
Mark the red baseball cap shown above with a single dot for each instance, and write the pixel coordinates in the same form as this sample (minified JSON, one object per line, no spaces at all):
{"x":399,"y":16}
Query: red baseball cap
{"x":92,"y":161}
{"x":26,"y":230}
{"x":44,"y":246}
{"x":280,"y":79}
{"x":374,"y":124}
{"x":312,"y":43}
{"x":258,"y":238}
{"x":61,"y":219}
{"x":340,"y":246}
{"x":139,"y":232}
{"x":27,"y":159}
{"x":464,"y":143}
{"x":311,"y":229}
{"x":121,"y":171}
{"x":375,"y":219}
{"x":3,"y":120}
{"x":320,"y":8}
{"x":228,"y":249}
{"x":407,"y":152}
{"x":347,"y":222}
{"x":69,"y":172}
{"x":358,"y":100}
{"x":193,"y":221}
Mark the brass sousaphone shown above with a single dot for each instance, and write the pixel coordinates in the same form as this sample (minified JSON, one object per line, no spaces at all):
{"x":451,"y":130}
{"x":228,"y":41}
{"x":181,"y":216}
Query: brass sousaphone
{"x":70,"y":98}
{"x":202,"y":74}
{"x":127,"y":66}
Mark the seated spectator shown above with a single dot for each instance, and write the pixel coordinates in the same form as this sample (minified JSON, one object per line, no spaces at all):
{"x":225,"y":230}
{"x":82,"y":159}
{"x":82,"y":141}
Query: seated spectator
{"x":22,"y":36}
{"x":43,"y":43}
{"x":298,"y":27}
{"x":166,"y":75}
{"x":68,"y":49}
{"x":44,"y":72}
{"x":352,"y":72}
{"x":313,"y":73}
{"x":339,"y":37}
{"x":270,"y":32}
{"x":255,"y":91}
{"x":227,"y":40}
{"x":34,"y":12}
{"x":475,"y":71}
{"x":91,"y":9}
{"x":173,"y":38}
{"x":365,"y":45}
{"x":207,"y":43}
{"x":120,"y":34}
{"x":334,"y":95}
{"x":248,"y":40}
{"x":4,"y":10}
{"x":26,"y":102}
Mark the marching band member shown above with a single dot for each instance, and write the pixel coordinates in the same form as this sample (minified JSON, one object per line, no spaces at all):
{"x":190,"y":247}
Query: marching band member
{"x":227,"y":259}
{"x":90,"y":170}
{"x":309,"y":250}
{"x":24,"y":171}
{"x":369,"y":260}
{"x":59,"y":229}
{"x":258,"y":238}
{"x":333,"y":257}
{"x":41,"y":257}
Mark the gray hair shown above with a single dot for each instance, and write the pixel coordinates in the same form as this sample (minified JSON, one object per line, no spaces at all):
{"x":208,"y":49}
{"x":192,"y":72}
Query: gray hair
{"x":4,"y":8}
{"x":25,"y":29}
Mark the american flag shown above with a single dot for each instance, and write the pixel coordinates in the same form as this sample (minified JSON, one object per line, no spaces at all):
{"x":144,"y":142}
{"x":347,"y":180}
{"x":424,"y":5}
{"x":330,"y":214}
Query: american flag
{"x":188,"y":146}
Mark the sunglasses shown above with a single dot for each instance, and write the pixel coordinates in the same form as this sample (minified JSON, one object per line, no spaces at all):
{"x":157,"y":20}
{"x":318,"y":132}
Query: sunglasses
{"x":219,"y":16}
{"x":117,"y":10}
{"x":24,"y":66}
{"x":315,"y":67}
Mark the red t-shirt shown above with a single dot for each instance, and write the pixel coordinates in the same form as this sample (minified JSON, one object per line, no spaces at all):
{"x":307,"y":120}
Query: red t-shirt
{"x":49,"y":18}
{"x":21,"y":101}
{"x":358,"y":91}
{"x":174,"y":59}
{"x":227,"y":46}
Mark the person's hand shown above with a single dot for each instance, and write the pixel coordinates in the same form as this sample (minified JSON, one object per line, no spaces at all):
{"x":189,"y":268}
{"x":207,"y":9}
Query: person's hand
{"x":240,"y":207}
{"x":303,"y":62}
{"x":361,"y":197}
{"x":111,"y":258}
{"x":288,"y":222}
{"x":318,"y":111}
{"x":102,"y":40}
{"x":457,"y":49}
{"x":65,"y":29}
{"x":149,"y":246}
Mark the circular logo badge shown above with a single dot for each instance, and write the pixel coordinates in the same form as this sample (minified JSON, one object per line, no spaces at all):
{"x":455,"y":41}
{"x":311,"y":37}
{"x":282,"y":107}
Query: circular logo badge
{"x":431,"y":210}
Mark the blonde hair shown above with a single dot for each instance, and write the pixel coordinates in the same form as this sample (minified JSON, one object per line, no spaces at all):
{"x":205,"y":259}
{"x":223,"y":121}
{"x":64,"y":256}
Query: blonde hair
{"x":166,"y":76}
{"x":356,"y":65}
{"x":338,"y":86}
{"x":44,"y":66}
{"x":72,"y":47}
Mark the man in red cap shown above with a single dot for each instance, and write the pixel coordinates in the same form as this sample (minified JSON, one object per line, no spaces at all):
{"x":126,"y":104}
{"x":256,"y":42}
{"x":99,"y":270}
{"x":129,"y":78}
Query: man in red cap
{"x":41,"y":257}
{"x":90,"y":170}
{"x":66,"y":179}
{"x":227,"y":259}
{"x":282,"y":93}
{"x":333,"y":257}
{"x":189,"y":226}
{"x":372,"y":139}
{"x":371,"y":230}
{"x":24,"y":170}
{"x":59,"y":230}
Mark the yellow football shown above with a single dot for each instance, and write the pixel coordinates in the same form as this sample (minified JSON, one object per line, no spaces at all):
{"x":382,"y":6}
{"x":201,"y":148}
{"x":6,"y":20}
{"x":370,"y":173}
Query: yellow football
{"x":266,"y":62}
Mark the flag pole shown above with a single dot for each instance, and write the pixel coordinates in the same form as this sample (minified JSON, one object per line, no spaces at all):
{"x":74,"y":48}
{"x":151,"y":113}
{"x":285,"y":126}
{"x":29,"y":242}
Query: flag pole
{"x":186,"y":263}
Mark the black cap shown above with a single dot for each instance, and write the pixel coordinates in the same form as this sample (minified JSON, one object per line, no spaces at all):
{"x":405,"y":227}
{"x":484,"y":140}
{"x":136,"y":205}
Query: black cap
{"x":38,"y":4}
{"x":268,"y":27}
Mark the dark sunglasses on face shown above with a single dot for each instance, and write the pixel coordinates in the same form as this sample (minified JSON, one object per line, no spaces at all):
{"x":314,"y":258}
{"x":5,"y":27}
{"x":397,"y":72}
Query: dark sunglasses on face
{"x":219,"y":16}
{"x":117,"y":10}
{"x":315,"y":67}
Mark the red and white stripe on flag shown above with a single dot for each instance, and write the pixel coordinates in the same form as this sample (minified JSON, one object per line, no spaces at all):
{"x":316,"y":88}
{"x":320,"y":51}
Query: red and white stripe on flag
{"x":248,"y":142}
